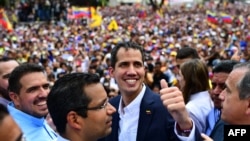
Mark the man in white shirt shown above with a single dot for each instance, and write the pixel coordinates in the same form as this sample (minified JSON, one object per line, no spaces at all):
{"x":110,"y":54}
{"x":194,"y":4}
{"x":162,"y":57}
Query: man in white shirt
{"x":142,"y":114}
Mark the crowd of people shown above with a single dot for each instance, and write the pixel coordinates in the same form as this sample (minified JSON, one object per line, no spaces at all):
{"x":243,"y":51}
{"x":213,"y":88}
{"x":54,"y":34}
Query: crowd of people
{"x":156,"y":76}
{"x":38,"y":10}
{"x":66,"y":46}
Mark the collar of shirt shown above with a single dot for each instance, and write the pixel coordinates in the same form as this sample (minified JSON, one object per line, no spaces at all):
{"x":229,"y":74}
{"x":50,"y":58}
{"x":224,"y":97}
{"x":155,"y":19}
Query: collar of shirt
{"x":203,"y":94}
{"x":199,"y":94}
{"x":134,"y":106}
{"x":17,"y":114}
{"x":129,"y":117}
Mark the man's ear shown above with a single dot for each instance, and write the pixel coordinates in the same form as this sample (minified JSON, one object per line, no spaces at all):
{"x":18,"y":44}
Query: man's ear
{"x":111,"y":70}
{"x":248,"y":107}
{"x":15,"y":98}
{"x":74,"y":120}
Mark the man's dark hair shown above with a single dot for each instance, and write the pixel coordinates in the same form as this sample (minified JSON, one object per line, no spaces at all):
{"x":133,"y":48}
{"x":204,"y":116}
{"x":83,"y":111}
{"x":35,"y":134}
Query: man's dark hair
{"x":19,"y":72}
{"x":225,"y":66}
{"x":5,"y":59}
{"x":158,"y":63}
{"x":68,"y":94}
{"x":187,"y":52}
{"x":3,"y":91}
{"x":126,"y":45}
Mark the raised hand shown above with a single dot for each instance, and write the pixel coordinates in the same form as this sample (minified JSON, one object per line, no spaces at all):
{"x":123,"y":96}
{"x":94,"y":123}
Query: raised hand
{"x":237,"y":54}
{"x":172,"y":99}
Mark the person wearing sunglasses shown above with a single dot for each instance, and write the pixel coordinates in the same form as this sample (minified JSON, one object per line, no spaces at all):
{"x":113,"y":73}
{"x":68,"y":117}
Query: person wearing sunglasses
{"x":79,"y":107}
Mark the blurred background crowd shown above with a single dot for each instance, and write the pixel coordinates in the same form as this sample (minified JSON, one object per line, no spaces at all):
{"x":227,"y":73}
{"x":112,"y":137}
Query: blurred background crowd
{"x":42,"y":32}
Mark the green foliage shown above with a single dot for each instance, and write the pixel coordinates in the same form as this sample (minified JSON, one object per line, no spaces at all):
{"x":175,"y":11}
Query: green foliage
{"x":89,"y":2}
{"x":2,"y":3}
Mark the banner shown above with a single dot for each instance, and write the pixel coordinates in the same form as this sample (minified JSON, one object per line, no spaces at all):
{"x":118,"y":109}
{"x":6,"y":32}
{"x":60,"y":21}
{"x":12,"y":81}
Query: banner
{"x":4,"y":21}
{"x":79,"y":12}
{"x":96,"y":18}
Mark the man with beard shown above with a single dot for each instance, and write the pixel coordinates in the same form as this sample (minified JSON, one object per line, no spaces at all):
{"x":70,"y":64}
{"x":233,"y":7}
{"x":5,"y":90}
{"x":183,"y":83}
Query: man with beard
{"x":28,"y":90}
{"x":6,"y":67}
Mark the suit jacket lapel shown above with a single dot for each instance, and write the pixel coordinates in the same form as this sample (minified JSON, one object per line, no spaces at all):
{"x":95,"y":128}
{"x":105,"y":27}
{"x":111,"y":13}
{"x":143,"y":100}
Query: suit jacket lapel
{"x":116,"y":119}
{"x":146,"y":114}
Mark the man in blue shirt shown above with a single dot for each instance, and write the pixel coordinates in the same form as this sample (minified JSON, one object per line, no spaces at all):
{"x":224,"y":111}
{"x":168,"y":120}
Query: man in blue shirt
{"x":28,"y":89}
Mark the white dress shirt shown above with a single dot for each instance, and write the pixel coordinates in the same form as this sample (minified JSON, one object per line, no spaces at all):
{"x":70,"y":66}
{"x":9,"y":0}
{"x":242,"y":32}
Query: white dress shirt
{"x":129,"y":117}
{"x":199,"y":106}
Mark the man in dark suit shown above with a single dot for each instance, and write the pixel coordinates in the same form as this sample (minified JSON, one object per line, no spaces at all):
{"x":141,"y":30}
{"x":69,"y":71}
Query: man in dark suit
{"x":236,"y":93}
{"x":143,"y":115}
{"x":215,"y":126}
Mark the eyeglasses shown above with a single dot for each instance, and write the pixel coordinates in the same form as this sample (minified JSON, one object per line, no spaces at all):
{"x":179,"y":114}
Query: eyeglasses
{"x":100,"y":107}
{"x":103,"y":106}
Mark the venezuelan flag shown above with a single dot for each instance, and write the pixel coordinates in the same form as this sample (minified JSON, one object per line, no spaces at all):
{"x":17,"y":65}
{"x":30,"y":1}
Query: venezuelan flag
{"x":4,"y":21}
{"x":80,"y":12}
{"x":211,"y":17}
{"x":226,"y":18}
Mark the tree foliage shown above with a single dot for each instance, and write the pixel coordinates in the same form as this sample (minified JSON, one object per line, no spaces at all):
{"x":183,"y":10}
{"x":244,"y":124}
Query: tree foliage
{"x":83,"y":2}
{"x":94,"y":3}
{"x":155,"y":5}
{"x":2,"y":3}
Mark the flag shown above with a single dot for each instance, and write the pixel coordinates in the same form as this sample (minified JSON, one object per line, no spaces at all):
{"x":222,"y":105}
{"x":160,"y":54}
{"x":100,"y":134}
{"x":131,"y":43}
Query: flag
{"x":241,"y":19}
{"x":142,"y":13}
{"x":159,"y":14}
{"x":211,"y":17}
{"x":80,"y":12}
{"x":96,"y":18}
{"x":4,"y":21}
{"x":113,"y":25}
{"x":226,"y":18}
